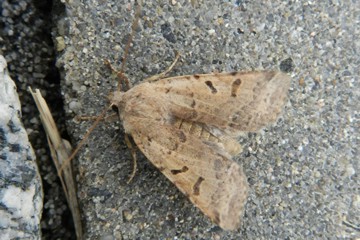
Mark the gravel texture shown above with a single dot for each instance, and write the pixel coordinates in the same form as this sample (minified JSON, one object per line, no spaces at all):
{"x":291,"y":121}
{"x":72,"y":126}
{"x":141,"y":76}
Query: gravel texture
{"x":302,"y":171}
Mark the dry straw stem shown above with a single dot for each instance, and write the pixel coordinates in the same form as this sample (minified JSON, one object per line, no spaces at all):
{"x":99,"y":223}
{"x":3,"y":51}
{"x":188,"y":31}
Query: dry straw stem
{"x":60,"y":151}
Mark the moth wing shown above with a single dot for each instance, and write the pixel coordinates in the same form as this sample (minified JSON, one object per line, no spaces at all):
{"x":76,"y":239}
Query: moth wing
{"x":230,"y":102}
{"x":224,"y":104}
{"x":202,"y":170}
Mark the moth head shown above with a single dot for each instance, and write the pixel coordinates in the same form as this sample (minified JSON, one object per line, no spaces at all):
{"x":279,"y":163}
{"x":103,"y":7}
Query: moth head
{"x":116,"y":98}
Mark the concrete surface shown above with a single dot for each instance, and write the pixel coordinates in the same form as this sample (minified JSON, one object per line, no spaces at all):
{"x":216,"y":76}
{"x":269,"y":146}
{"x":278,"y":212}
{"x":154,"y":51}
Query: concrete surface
{"x":303,"y":171}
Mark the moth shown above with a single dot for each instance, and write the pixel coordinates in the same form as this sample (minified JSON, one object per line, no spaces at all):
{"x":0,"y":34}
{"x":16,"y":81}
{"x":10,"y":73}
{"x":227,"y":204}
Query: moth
{"x":187,"y":127}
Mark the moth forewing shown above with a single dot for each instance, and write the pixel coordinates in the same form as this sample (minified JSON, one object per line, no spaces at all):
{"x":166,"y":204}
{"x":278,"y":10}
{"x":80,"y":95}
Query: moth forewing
{"x":186,"y":127}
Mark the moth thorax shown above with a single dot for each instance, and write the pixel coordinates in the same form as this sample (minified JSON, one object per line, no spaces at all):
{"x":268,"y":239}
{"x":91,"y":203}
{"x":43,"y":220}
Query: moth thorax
{"x":196,"y":129}
{"x":230,"y":145}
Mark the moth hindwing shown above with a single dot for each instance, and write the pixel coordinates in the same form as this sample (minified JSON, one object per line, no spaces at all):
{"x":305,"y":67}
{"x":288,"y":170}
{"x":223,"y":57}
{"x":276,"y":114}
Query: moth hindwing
{"x":187,"y":125}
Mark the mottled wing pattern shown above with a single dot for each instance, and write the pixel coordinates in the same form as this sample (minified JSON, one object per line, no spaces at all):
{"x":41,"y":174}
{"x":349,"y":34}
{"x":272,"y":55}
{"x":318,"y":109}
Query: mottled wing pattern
{"x":201,"y":170}
{"x":232,"y":102}
{"x":185,"y":126}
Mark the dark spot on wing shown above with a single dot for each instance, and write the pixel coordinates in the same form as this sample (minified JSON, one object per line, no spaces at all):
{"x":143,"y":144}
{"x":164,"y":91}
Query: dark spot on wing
{"x":235,"y":86}
{"x":167,"y":90}
{"x":182,"y":170}
{"x":196,"y":76}
{"x":182,"y":136}
{"x":237,"y":82}
{"x":161,"y":168}
{"x":193,"y":104}
{"x":196,"y":187}
{"x":233,"y":73}
{"x":149,"y":139}
{"x":211,"y":86}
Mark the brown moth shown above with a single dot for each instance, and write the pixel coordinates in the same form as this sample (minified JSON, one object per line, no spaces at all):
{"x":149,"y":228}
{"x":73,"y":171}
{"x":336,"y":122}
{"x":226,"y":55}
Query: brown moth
{"x":187,"y":126}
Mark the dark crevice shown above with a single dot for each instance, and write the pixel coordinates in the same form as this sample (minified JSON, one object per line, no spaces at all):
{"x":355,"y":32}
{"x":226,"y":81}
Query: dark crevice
{"x":31,"y":58}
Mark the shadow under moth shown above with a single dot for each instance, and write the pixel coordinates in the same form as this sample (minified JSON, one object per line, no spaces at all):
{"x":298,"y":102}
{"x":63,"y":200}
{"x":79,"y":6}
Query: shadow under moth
{"x":187,"y":127}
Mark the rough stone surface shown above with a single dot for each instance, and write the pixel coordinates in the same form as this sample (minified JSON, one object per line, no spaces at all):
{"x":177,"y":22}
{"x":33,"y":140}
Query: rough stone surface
{"x":303,"y":171}
{"x":26,"y":44}
{"x":20,"y":183}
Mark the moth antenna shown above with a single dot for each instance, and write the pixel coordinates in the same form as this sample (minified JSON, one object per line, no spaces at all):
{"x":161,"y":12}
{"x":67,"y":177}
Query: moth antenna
{"x":127,"y":49}
{"x":86,"y":136}
{"x":163,"y":74}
